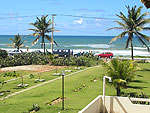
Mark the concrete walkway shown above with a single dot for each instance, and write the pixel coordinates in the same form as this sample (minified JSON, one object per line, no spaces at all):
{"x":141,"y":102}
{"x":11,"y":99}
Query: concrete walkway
{"x":43,"y":83}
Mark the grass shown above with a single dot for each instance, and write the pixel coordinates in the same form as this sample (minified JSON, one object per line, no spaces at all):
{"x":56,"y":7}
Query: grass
{"x":23,"y":73}
{"x":74,"y":101}
{"x":12,"y":85}
{"x":141,"y":82}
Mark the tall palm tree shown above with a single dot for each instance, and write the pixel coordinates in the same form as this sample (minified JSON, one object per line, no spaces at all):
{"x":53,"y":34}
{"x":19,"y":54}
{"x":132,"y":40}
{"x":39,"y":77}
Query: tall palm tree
{"x":17,"y":42}
{"x":131,"y":25}
{"x":121,"y":72}
{"x":42,"y":27}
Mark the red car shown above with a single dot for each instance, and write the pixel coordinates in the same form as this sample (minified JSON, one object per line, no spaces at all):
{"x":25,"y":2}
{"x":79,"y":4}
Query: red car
{"x":106,"y":55}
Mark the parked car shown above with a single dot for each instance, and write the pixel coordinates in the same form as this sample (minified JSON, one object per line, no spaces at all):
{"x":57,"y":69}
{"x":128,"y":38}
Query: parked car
{"x":15,"y":52}
{"x":78,"y":54}
{"x":105,"y":55}
{"x":62,"y":52}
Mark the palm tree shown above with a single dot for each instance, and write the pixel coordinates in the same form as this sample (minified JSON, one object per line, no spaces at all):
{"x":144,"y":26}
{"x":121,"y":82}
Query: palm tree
{"x":17,"y":42}
{"x":131,"y":25}
{"x":121,"y":72}
{"x":42,"y":27}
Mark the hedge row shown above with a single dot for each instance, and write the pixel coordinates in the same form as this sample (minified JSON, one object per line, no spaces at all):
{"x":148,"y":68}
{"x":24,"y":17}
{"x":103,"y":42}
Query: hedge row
{"x":25,"y":59}
{"x":87,"y":59}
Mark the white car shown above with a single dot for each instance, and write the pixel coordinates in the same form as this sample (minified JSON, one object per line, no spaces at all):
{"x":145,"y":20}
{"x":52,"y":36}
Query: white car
{"x":15,"y":52}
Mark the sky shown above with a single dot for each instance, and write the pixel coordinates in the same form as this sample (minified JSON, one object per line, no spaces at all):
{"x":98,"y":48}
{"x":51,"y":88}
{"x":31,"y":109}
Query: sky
{"x":15,"y":15}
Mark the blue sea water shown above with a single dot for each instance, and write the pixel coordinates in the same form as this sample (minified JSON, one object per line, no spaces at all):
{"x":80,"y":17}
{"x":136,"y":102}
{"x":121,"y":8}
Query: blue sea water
{"x":96,"y":44}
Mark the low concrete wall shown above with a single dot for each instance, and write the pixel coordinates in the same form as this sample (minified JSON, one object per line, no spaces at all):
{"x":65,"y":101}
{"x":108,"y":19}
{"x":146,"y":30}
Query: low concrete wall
{"x":93,"y":107}
{"x":115,"y":104}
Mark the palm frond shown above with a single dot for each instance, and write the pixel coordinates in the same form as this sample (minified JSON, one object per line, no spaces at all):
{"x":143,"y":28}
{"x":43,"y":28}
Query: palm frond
{"x":119,"y":36}
{"x":119,"y":80}
{"x":121,"y":24}
{"x":143,"y":36}
{"x":35,"y":34}
{"x":36,"y":30}
{"x":56,"y":43}
{"x":146,"y":28}
{"x":122,"y":17}
{"x":144,"y":22}
{"x":11,"y":39}
{"x":36,"y":40}
{"x":118,"y":28}
{"x":48,"y":38}
{"x":139,"y":19}
{"x":142,"y":42}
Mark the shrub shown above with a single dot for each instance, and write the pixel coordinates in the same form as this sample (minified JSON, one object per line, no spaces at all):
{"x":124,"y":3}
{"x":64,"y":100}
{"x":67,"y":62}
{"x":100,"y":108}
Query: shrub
{"x":3,"y":53}
{"x":25,"y":59}
{"x":85,"y":60}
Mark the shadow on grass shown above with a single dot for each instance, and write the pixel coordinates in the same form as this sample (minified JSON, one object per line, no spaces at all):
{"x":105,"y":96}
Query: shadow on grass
{"x":136,"y":87}
{"x":19,"y":88}
{"x":139,"y":75}
{"x":139,"y":81}
{"x":144,"y":69}
{"x":131,"y":94}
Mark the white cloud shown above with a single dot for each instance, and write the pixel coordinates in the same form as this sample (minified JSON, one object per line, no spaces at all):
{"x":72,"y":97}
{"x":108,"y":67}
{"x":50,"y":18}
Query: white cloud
{"x":98,"y":20}
{"x":78,"y":21}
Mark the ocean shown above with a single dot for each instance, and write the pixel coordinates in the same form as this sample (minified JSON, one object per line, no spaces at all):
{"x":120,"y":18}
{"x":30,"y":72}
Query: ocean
{"x":96,"y":44}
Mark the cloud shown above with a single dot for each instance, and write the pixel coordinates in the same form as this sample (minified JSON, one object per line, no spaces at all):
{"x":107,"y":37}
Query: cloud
{"x":80,"y":21}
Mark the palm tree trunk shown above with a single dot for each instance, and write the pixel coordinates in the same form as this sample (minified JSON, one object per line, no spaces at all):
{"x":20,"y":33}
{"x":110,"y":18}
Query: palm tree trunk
{"x":131,"y":38}
{"x":43,"y":42}
{"x":44,"y":48}
{"x":132,"y":50}
{"x":118,"y":91}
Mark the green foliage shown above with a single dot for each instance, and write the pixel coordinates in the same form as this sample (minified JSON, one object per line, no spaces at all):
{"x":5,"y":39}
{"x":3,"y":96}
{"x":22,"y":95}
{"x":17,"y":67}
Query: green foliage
{"x":35,"y":108}
{"x":41,"y":28}
{"x":31,"y":76}
{"x":17,"y":42}
{"x":25,"y":59}
{"x":85,"y":60}
{"x":3,"y":53}
{"x":10,"y":74}
{"x":134,"y":95}
{"x":121,"y":73}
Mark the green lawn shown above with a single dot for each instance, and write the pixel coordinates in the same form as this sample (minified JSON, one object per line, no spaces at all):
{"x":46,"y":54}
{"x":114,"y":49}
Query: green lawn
{"x":74,"y":101}
{"x":12,"y":85}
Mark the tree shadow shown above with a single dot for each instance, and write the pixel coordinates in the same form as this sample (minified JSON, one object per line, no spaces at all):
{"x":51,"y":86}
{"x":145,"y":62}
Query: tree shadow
{"x":136,"y":87}
{"x":139,"y":75}
{"x":131,"y":94}
{"x":144,"y":69}
{"x":139,"y":81}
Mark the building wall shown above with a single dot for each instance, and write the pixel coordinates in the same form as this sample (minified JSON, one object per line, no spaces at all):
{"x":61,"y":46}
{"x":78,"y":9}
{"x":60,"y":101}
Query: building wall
{"x":115,"y":104}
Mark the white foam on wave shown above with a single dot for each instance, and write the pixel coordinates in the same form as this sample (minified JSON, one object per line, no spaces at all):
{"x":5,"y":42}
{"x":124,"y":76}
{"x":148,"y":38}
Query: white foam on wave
{"x":94,"y":45}
{"x":141,"y":48}
{"x":3,"y":44}
{"x":25,"y":50}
